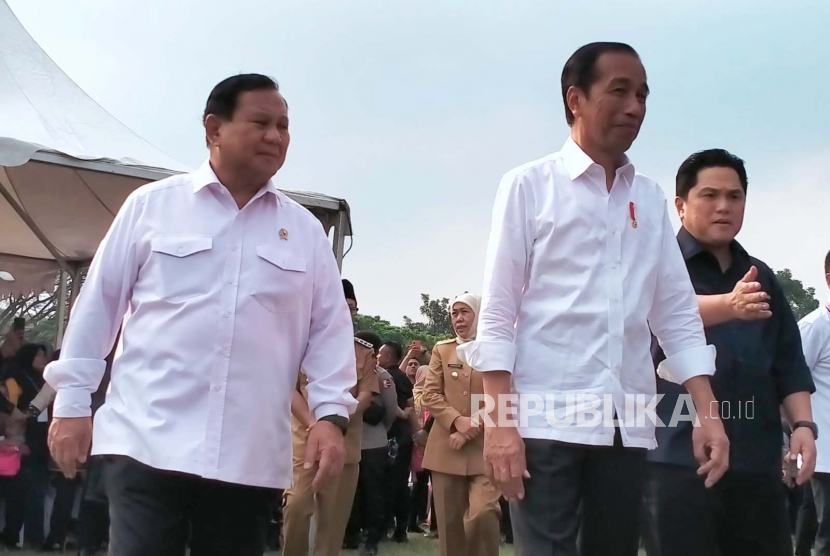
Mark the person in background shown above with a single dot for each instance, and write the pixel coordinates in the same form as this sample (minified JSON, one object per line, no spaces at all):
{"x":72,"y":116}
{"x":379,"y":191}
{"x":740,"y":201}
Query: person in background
{"x":815,"y":336}
{"x":400,"y":435}
{"x":419,"y":499}
{"x":331,"y":506}
{"x":225,"y":288}
{"x":467,"y":503}
{"x":23,"y":376}
{"x":369,"y":503}
{"x":582,"y":266}
{"x":760,"y":368}
{"x":65,"y":489}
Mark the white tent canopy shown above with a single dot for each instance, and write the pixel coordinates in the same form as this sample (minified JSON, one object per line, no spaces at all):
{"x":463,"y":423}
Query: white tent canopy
{"x":67,"y":165}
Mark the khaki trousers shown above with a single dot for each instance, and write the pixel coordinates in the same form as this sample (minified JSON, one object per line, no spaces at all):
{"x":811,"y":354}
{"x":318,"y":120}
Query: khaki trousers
{"x":331,"y":508}
{"x":469,"y":516}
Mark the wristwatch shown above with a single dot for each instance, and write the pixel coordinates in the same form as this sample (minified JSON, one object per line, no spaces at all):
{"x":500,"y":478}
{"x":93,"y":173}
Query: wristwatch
{"x":807,"y":425}
{"x":340,"y":422}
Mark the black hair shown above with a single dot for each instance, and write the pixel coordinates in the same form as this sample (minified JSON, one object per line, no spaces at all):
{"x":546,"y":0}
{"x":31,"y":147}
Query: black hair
{"x":827,"y":263}
{"x":348,"y":290}
{"x":711,"y":158}
{"x":23,"y":359}
{"x":225,"y":95}
{"x":396,"y":347}
{"x":371,"y":337}
{"x":580,"y":69}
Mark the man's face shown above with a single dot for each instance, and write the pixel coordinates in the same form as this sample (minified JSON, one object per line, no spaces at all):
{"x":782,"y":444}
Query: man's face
{"x":611,"y":114}
{"x":412,"y":368}
{"x":713,"y":211}
{"x":386,"y":357}
{"x":352,"y":307}
{"x":255,"y":141}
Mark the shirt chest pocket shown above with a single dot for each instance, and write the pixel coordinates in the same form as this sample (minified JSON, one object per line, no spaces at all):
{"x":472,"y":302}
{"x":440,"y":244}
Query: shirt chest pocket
{"x":181,"y":264}
{"x":279,"y":278}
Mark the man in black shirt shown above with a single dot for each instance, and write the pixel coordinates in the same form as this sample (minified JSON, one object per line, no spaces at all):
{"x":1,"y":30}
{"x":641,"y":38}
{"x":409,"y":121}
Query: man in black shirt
{"x":760,"y":367}
{"x":397,"y":506}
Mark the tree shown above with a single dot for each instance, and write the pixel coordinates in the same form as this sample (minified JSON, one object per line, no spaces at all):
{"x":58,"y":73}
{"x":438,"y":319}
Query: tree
{"x":401,"y":334}
{"x":802,"y":301}
{"x":437,"y":313}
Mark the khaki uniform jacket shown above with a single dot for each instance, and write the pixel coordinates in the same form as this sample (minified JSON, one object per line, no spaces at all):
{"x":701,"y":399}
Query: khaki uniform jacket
{"x":367,"y":381}
{"x":448,"y":390}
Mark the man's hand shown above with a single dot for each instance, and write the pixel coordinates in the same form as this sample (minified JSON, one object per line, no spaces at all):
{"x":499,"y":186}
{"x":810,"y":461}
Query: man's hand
{"x":504,"y":461}
{"x":326,"y":449}
{"x":711,"y":448}
{"x":802,"y":443}
{"x":69,"y":442}
{"x":457,"y":441}
{"x":747,"y":300}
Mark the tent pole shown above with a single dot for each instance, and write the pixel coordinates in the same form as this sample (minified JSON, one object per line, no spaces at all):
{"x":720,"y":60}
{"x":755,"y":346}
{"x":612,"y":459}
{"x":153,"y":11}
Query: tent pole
{"x":340,"y":238}
{"x":61,"y":313}
{"x":75,"y":288}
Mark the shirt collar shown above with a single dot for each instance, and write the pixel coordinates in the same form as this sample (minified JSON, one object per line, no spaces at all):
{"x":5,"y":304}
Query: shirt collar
{"x":577,"y":162}
{"x":691,"y":247}
{"x":205,"y":176}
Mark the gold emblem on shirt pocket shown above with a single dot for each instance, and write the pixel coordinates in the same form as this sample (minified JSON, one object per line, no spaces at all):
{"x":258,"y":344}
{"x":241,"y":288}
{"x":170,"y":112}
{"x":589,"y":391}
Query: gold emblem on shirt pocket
{"x":279,"y":278}
{"x":182,"y":265}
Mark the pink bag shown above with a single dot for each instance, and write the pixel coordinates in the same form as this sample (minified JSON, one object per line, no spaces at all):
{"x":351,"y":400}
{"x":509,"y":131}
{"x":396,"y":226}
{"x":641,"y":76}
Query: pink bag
{"x":9,"y":461}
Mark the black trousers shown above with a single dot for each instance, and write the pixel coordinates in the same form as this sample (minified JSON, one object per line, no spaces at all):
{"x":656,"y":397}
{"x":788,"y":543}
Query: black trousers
{"x":742,"y":515}
{"x":420,"y":498}
{"x":821,"y":495}
{"x":575,"y":490}
{"x":152,"y":512}
{"x":397,"y":501}
{"x":25,"y":502}
{"x":369,"y":501}
{"x":806,"y":523}
{"x":65,"y":490}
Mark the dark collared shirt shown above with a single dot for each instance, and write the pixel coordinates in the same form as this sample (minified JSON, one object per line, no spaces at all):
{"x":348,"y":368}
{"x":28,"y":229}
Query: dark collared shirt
{"x":759,"y":363}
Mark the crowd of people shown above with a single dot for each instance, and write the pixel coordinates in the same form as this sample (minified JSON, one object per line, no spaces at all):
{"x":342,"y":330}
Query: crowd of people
{"x":615,"y":385}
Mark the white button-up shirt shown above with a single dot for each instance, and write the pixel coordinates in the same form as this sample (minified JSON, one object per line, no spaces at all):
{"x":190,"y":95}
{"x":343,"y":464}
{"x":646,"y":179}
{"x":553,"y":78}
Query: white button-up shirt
{"x":220,"y":307}
{"x":573,"y":290}
{"x":815,"y":339}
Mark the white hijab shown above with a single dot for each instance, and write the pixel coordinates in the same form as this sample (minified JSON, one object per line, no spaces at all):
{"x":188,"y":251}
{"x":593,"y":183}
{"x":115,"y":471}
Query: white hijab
{"x":473,"y":301}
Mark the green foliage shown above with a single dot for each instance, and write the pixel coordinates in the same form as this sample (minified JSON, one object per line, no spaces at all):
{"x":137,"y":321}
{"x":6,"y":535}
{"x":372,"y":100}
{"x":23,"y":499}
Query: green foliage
{"x":802,"y":300}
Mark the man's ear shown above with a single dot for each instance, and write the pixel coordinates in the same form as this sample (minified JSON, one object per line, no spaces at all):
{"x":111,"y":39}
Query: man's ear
{"x":680,"y":205}
{"x":213,"y":127}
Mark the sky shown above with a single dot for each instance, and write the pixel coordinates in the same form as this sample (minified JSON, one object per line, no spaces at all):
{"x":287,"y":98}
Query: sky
{"x":413,"y":110}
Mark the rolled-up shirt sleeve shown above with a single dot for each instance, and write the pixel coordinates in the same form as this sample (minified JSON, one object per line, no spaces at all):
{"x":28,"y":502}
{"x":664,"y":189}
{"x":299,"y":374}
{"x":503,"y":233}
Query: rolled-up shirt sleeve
{"x":97,"y":315}
{"x":505,"y":274}
{"x":329,"y":360}
{"x":675,"y":317}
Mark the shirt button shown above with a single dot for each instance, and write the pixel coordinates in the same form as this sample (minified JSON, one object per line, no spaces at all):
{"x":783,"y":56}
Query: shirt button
{"x":227,"y":314}
{"x":465,"y":392}
{"x":466,"y":374}
{"x":217,"y":387}
{"x":464,"y":411}
{"x":230,"y":281}
{"x":181,"y":249}
{"x":234,"y":248}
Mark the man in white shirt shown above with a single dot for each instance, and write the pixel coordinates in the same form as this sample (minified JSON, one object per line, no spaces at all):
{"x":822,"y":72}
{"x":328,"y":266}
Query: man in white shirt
{"x":582,"y":265}
{"x":225,"y":288}
{"x":815,"y":337}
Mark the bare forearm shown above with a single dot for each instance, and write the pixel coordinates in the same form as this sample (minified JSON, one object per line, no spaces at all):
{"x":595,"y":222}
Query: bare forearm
{"x":797,"y":407}
{"x":496,"y":384}
{"x":715,"y":309}
{"x":700,"y":389}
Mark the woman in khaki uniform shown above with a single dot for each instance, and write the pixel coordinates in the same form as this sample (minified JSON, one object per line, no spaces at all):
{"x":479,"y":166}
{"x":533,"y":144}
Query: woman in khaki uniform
{"x":466,"y":503}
